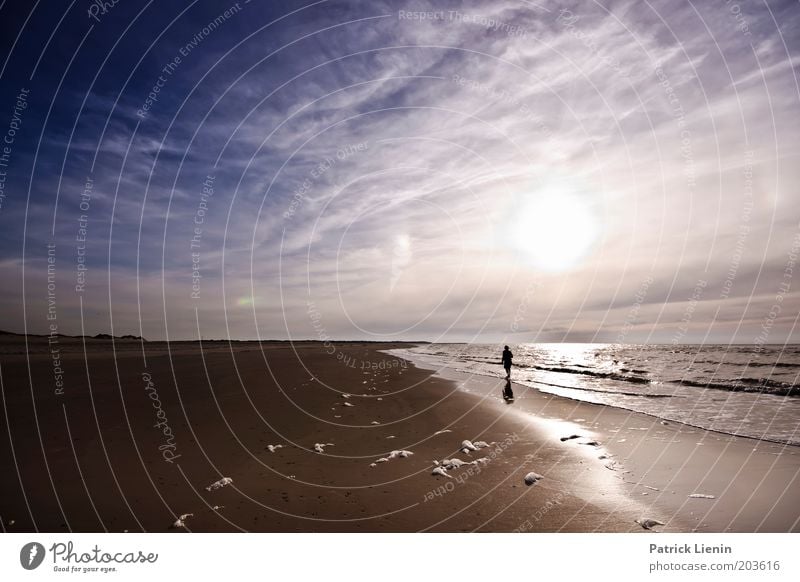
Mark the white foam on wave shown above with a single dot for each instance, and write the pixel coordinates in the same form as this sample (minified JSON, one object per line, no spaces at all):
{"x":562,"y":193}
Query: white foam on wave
{"x":219,"y":484}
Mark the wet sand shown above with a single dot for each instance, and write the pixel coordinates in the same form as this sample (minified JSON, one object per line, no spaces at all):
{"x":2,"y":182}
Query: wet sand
{"x":137,"y":437}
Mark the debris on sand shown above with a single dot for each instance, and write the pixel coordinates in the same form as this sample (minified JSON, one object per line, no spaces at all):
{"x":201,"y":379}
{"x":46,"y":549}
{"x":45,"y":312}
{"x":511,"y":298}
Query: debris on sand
{"x":219,"y":484}
{"x":570,"y":437}
{"x":590,"y":443}
{"x":701,"y":496}
{"x":532,"y":478}
{"x":273,"y":448}
{"x":648,"y":523}
{"x":320,"y":447}
{"x":181,"y":521}
{"x":348,"y":404}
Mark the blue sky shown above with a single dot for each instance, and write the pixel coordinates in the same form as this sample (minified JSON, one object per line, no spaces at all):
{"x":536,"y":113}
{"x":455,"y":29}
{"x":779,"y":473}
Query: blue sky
{"x":504,"y":171}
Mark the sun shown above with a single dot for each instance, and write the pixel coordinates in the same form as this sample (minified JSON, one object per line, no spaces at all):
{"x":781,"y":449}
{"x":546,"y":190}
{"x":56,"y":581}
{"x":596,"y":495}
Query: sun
{"x":554,"y":229}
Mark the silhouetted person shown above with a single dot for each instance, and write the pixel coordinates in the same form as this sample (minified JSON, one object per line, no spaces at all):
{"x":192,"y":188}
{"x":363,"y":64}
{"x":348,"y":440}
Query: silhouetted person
{"x":508,"y":394}
{"x":507,"y":357}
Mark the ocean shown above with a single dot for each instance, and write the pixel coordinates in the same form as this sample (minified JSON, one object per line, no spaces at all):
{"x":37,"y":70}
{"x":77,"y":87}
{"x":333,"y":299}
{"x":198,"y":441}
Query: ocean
{"x":735,"y":389}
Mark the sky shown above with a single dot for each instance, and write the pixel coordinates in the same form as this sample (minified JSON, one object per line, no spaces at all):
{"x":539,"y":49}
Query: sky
{"x":510,"y":171}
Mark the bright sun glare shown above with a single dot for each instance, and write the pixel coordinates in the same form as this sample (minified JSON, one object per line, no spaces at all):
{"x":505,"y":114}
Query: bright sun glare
{"x":555,"y":230}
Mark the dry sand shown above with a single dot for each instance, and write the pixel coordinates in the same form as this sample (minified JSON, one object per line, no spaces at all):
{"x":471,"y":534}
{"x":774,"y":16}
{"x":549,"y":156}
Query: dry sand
{"x":92,"y":459}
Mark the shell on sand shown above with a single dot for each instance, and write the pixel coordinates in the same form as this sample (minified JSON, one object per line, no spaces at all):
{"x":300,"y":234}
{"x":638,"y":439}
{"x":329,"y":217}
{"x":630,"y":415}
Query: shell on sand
{"x":532,"y":478}
{"x":648,"y":523}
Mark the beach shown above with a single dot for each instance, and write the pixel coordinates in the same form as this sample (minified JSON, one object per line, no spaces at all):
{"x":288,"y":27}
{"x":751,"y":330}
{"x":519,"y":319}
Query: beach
{"x":311,"y":436}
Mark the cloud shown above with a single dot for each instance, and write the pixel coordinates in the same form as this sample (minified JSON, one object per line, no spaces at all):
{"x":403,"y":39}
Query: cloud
{"x":373,"y":163}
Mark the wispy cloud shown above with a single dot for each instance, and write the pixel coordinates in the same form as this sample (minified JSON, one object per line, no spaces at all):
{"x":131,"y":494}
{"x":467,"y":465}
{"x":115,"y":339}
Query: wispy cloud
{"x":374,"y":159}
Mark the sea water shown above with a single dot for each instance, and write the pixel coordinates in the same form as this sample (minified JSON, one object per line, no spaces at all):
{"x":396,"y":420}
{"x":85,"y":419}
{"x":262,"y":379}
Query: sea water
{"x":736,"y":389}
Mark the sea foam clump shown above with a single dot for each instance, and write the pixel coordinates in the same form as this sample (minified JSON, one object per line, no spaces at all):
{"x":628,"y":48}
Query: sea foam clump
{"x":445,"y":465}
{"x":181,"y":521}
{"x":393,"y":455}
{"x":219,"y":484}
{"x":467,"y":445}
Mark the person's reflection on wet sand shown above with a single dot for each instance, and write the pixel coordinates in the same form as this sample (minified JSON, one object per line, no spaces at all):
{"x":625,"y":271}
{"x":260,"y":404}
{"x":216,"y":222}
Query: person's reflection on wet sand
{"x":508,"y":394}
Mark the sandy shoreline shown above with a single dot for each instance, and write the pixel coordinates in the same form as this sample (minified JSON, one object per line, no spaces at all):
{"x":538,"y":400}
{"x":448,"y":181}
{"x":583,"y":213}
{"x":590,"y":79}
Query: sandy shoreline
{"x":98,"y":457}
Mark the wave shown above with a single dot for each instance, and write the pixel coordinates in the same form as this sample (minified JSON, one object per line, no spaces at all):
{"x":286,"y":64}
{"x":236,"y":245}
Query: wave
{"x":762,"y":385}
{"x":744,"y":384}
